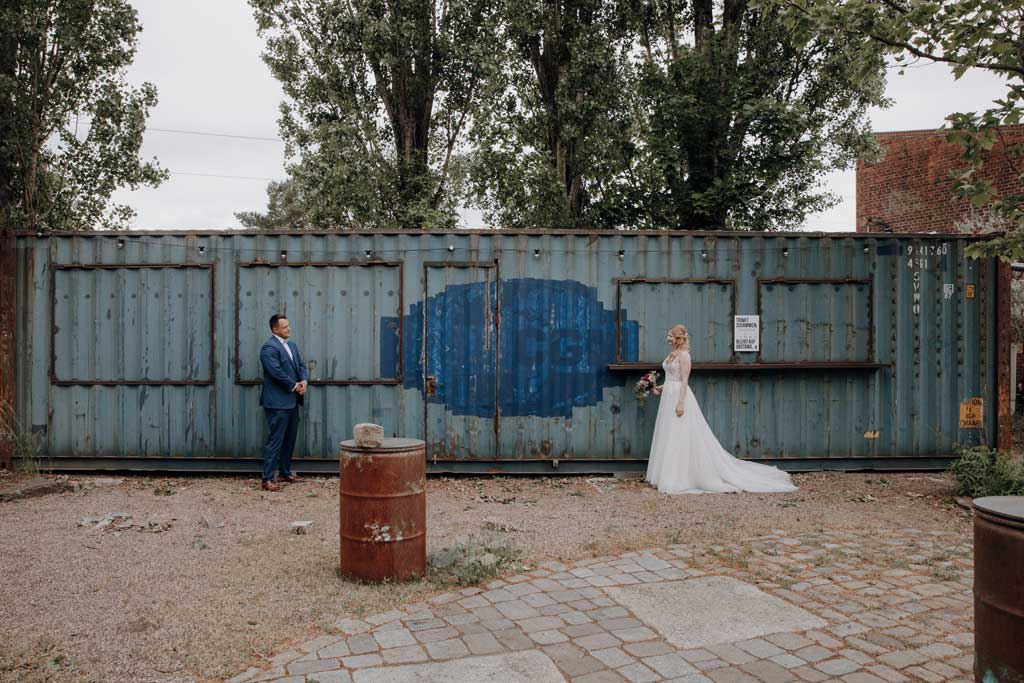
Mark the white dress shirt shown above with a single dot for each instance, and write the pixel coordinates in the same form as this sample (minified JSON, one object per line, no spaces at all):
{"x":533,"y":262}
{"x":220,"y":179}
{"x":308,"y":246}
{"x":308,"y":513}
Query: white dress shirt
{"x":286,"y":347}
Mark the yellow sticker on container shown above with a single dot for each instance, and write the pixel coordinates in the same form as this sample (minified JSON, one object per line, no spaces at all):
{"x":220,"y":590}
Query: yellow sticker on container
{"x":970,"y":291}
{"x":972,"y":414}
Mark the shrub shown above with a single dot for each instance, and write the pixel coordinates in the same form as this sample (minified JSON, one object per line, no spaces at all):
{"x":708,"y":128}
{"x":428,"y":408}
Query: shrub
{"x":473,"y":560}
{"x":981,"y":471}
{"x":26,"y":444}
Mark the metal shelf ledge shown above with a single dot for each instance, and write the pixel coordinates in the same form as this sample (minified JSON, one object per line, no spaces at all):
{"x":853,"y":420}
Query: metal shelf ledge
{"x":733,"y":367}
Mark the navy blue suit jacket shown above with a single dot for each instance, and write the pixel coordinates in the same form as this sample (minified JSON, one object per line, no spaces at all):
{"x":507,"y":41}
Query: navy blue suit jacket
{"x":280,"y":374}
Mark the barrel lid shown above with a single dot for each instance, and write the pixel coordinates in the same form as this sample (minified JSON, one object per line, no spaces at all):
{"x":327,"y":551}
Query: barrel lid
{"x":386,"y":445}
{"x":1010,"y":507}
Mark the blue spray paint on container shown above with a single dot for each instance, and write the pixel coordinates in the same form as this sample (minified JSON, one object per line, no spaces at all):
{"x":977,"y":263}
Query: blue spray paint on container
{"x":556,"y":340}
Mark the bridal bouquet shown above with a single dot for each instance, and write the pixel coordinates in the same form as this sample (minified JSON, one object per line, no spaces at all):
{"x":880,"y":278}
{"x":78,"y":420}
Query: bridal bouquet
{"x":643,"y":388}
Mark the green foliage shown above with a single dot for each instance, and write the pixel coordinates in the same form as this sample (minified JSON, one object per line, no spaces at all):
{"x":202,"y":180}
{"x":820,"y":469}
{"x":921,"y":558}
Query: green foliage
{"x":983,"y":472}
{"x":649,"y":114}
{"x":378,"y":98}
{"x":748,"y":114}
{"x":70,"y":125}
{"x":27,"y":446}
{"x":965,"y":34}
{"x":555,"y":129}
{"x":285,"y":208}
{"x":561,"y":113}
{"x":473,"y":560}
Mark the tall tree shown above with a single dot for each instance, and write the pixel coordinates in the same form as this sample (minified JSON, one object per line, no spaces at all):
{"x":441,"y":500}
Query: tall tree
{"x":966,"y":35}
{"x":554,"y":129}
{"x":378,"y":97}
{"x":660,"y":113}
{"x":285,"y":209}
{"x":70,"y":125}
{"x":745,"y":118}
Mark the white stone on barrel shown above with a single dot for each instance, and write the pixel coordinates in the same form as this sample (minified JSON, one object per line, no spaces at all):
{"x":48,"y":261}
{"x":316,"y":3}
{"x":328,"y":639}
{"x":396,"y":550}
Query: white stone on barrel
{"x":368,"y":435}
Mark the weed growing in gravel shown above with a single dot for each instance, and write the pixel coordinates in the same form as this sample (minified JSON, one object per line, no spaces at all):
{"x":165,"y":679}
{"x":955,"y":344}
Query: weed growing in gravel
{"x":828,"y":557}
{"x":732,"y":558}
{"x":473,"y":560}
{"x":981,"y":472}
{"x":945,"y":572}
{"x":26,"y":444}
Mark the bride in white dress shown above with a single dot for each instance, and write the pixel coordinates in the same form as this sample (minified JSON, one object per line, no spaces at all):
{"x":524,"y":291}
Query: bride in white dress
{"x":685,"y":455}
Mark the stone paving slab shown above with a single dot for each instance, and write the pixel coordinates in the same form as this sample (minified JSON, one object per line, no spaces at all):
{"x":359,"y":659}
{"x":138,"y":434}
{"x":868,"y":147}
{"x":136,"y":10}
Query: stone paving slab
{"x":712,"y":610}
{"x":517,"y":667}
{"x":889,"y":607}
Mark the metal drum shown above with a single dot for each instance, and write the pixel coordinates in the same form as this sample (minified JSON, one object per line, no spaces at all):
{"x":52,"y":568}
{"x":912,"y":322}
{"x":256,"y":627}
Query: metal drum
{"x":383,"y":510}
{"x":999,"y":589}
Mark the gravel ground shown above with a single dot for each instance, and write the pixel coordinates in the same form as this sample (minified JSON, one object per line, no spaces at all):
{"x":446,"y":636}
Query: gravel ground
{"x":192,"y":603}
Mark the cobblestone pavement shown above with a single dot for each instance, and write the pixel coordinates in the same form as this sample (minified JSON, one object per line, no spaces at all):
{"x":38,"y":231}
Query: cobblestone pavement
{"x":889,"y":607}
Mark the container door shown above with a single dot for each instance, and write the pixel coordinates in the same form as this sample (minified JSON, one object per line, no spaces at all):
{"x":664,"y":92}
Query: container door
{"x":460,"y":361}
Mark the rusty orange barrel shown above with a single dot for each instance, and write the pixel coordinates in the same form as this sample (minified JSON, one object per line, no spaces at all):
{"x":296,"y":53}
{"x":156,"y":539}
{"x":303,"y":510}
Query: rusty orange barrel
{"x":383,"y":510}
{"x":999,"y":589}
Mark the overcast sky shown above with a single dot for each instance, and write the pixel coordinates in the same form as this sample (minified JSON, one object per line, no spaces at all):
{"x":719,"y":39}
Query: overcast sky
{"x":204,"y":58}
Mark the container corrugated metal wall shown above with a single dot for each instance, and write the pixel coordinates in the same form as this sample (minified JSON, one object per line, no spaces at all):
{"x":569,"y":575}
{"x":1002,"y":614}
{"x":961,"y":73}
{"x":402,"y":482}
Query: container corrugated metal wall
{"x":504,"y":351}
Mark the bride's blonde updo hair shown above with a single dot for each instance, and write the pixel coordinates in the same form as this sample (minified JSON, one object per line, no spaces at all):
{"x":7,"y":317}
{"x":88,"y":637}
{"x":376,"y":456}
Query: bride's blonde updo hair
{"x":680,"y":334}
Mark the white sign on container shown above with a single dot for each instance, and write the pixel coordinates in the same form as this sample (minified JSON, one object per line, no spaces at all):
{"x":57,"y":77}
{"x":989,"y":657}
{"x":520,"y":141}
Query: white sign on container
{"x":747,"y":333}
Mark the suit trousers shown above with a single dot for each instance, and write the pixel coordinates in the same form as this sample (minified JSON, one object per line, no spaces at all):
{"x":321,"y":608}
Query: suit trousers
{"x":277,"y":453}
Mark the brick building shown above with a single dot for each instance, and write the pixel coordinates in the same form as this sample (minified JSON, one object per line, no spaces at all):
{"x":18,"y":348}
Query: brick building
{"x":910,"y":189}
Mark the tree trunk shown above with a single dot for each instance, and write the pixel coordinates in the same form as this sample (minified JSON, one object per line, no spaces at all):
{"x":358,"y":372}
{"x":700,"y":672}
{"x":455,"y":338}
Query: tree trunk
{"x":551,"y":61}
{"x":708,"y":153}
{"x":8,"y":162}
{"x":407,"y":86}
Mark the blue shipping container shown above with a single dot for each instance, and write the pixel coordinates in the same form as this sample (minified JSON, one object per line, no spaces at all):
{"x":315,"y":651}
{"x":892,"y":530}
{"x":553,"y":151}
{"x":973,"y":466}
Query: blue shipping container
{"x":507,"y":351}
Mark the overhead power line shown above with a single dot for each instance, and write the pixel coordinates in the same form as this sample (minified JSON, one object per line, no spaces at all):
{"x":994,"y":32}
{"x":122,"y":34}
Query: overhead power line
{"x":181,"y":131}
{"x":214,"y":135}
{"x":217,"y":175}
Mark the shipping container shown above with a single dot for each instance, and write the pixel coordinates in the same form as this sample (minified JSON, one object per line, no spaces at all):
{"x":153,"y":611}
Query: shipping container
{"x":508,"y":351}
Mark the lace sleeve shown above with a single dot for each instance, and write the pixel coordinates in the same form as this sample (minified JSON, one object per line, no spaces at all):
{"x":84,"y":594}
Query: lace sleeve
{"x":683,"y":362}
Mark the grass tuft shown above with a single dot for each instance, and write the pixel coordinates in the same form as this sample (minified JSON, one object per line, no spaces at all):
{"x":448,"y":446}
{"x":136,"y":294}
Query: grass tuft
{"x":473,"y":560}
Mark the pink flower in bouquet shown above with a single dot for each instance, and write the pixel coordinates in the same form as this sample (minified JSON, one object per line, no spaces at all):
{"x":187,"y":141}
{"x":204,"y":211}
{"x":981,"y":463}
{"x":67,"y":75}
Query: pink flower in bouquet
{"x":643,"y":388}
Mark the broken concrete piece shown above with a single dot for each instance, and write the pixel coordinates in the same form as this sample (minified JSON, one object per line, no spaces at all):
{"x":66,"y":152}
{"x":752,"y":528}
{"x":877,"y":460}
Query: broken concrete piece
{"x":208,"y":523}
{"x":35,"y":487}
{"x":301,"y":527}
{"x":122,"y":521}
{"x":368,"y":435}
{"x":107,"y":481}
{"x":492,"y":524}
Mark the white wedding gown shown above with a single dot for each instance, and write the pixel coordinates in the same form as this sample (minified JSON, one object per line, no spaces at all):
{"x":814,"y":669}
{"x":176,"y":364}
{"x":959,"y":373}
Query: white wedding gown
{"x":685,"y":455}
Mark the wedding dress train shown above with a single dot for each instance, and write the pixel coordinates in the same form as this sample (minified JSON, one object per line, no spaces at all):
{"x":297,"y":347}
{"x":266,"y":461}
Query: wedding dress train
{"x":685,"y":455}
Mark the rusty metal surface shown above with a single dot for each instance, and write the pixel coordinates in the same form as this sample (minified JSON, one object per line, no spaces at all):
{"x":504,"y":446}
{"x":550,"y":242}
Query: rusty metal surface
{"x":8,"y":316}
{"x":999,"y":589}
{"x":706,"y":314}
{"x":880,"y":381}
{"x":326,"y":320}
{"x":807,"y":330}
{"x":257,"y":232}
{"x":160,"y":318}
{"x":455,"y":329}
{"x":1004,"y":343}
{"x":383,"y":510}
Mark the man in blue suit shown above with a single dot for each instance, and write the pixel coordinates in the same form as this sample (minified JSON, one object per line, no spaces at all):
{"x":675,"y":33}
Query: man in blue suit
{"x":284,"y":385}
